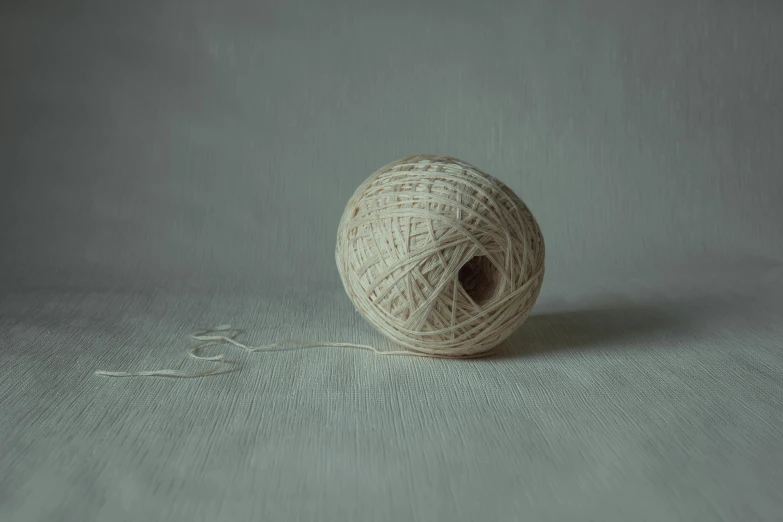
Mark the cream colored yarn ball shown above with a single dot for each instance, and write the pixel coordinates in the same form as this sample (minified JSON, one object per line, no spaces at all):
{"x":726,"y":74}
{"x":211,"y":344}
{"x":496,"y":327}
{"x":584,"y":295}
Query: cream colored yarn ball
{"x":440,"y":257}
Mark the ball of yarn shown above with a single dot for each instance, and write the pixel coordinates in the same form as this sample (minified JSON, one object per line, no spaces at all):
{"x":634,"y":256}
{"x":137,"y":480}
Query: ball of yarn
{"x":440,"y":257}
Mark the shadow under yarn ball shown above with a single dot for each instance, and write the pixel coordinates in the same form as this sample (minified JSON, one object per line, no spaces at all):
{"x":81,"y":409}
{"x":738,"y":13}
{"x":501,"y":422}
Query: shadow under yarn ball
{"x":440,"y":257}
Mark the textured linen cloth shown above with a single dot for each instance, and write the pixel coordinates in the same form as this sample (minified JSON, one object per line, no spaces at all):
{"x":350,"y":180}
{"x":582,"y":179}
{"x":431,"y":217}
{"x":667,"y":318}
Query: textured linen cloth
{"x":649,"y":404}
{"x":169,"y":165}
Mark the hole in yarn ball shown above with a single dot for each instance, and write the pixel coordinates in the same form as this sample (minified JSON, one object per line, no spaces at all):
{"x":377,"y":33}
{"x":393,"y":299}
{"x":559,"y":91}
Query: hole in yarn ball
{"x":478,"y":278}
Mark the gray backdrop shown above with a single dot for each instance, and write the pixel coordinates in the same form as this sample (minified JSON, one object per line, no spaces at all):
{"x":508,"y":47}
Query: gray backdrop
{"x":175,"y":164}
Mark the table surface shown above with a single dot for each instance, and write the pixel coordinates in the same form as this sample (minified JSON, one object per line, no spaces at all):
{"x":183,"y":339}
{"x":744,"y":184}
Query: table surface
{"x":649,"y":403}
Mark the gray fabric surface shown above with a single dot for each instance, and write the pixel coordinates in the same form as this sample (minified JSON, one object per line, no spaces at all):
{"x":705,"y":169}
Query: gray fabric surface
{"x":649,"y":403}
{"x":180,"y":164}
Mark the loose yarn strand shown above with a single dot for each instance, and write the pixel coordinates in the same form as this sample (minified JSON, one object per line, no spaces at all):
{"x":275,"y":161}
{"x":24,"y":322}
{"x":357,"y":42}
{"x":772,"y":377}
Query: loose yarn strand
{"x":276,"y":345}
{"x":204,"y":337}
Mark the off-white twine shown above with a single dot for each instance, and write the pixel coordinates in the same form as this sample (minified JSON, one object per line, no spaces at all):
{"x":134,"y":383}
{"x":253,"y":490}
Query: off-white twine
{"x":441,"y":258}
{"x":205,"y":338}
